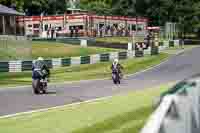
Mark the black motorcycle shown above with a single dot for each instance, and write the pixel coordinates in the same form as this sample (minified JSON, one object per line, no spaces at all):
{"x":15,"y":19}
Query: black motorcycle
{"x":40,"y":84}
{"x":116,"y":77}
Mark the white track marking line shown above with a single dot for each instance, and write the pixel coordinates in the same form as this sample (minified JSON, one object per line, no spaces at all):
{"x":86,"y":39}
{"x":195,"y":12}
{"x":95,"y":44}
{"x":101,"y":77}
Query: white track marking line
{"x":88,"y":101}
{"x":52,"y":108}
{"x":60,"y":107}
{"x":85,"y":81}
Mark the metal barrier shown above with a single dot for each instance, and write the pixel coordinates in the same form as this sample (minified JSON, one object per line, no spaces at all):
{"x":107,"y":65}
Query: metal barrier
{"x":177,"y":113}
{"x":85,"y":60}
{"x":21,"y":65}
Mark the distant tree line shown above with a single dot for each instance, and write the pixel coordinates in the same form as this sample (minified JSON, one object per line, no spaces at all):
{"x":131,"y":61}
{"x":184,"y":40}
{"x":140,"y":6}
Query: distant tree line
{"x":185,"y":12}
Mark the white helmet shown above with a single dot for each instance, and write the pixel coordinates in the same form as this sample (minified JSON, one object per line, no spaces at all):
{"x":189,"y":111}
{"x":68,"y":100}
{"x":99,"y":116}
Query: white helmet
{"x":116,"y":61}
{"x":40,"y":59}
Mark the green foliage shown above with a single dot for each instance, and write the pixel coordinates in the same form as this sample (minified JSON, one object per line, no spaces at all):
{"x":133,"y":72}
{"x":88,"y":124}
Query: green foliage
{"x":17,"y":4}
{"x":185,"y":12}
{"x":36,"y":7}
{"x":101,"y":8}
{"x":59,"y":50}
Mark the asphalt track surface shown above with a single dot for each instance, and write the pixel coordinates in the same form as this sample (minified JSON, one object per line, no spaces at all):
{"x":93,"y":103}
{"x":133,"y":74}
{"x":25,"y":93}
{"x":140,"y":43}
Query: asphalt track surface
{"x":22,"y":99}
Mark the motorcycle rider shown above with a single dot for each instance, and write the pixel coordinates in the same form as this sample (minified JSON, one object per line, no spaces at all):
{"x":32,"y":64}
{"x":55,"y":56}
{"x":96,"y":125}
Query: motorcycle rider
{"x":116,"y":66}
{"x":40,"y":69}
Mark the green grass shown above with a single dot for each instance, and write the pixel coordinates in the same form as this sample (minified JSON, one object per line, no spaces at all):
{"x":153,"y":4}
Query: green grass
{"x":15,"y":49}
{"x":26,"y":50}
{"x":179,"y":47}
{"x":84,"y":72}
{"x":125,"y":113}
{"x":124,"y":40}
{"x":114,"y":39}
{"x":174,"y":50}
{"x":58,"y":50}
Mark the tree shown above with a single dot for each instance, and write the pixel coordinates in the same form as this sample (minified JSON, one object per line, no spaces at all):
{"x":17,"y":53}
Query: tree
{"x":185,"y":12}
{"x":15,"y":4}
{"x":36,"y":7}
{"x":99,"y":7}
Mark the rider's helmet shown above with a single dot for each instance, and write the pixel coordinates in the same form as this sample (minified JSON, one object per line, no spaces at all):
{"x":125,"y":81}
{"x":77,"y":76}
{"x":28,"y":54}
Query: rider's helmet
{"x":40,"y":59}
{"x":115,"y":61}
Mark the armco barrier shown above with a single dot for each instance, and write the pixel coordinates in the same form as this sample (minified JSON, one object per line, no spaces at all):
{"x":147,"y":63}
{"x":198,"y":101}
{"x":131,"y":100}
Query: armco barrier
{"x":26,"y":65}
{"x":4,"y":66}
{"x":155,"y":122}
{"x":15,"y":66}
{"x":18,"y":66}
{"x":104,"y":57}
{"x":177,"y":113}
{"x":85,"y":60}
{"x":139,"y":53}
{"x":122,"y":55}
{"x":65,"y":62}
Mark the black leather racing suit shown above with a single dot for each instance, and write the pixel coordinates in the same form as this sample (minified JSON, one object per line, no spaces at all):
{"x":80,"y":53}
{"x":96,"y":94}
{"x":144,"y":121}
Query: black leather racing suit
{"x":40,"y":70}
{"x":118,"y":68}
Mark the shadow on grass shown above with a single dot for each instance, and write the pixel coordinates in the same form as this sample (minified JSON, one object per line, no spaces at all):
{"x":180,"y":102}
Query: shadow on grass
{"x":133,"y":117}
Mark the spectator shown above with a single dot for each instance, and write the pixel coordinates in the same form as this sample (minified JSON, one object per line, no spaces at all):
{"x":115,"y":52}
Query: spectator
{"x":112,"y":31}
{"x":71,"y":31}
{"x":127,"y":32}
{"x":95,"y":32}
{"x":76,"y":31}
{"x":118,"y":31}
{"x":107,"y":29}
{"x":48,"y":31}
{"x":101,"y":32}
{"x":52,"y":33}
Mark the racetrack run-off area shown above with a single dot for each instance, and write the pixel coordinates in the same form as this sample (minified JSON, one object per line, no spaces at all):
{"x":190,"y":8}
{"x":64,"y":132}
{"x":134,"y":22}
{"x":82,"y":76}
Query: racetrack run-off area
{"x":22,"y":99}
{"x":94,"y":116}
{"x":83,"y":72}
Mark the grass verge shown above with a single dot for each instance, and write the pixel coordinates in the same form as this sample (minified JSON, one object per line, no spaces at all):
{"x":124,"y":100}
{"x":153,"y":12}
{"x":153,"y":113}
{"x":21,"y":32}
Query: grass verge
{"x":124,"y":40}
{"x":120,"y":114}
{"x":185,"y":47}
{"x":176,"y":49}
{"x":61,"y":50}
{"x":84,"y":72}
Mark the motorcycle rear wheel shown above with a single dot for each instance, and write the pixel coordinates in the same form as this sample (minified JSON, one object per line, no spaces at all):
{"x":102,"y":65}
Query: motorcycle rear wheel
{"x":35,"y":85}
